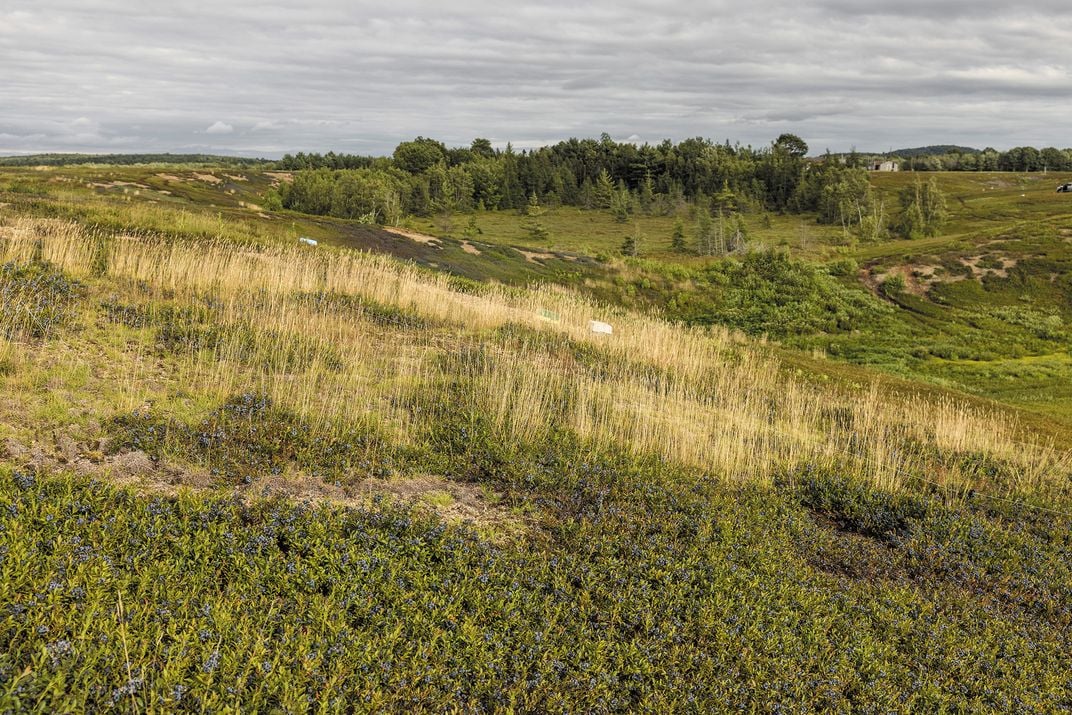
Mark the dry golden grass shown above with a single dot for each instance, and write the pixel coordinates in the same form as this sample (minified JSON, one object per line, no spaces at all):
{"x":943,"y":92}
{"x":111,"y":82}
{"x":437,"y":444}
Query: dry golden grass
{"x":708,"y":399}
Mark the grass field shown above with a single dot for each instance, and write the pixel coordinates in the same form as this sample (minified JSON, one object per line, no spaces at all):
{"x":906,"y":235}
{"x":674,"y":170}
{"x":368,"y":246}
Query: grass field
{"x":242,"y":474}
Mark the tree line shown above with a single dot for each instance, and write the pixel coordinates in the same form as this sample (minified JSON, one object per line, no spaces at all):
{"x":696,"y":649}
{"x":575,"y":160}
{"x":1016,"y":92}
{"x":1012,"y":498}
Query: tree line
{"x":424,"y":176}
{"x":712,"y":183}
{"x":1021,"y":158}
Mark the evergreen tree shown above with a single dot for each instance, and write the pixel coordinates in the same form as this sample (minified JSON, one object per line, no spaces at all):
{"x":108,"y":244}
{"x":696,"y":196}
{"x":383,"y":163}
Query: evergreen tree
{"x":677,"y":238}
{"x":531,"y":223}
{"x":603,"y":191}
{"x":631,"y":245}
{"x":621,"y":203}
{"x":647,"y":193}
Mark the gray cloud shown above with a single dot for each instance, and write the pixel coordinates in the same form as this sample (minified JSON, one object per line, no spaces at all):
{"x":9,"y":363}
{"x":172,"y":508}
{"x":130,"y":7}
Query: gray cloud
{"x":268,"y":77}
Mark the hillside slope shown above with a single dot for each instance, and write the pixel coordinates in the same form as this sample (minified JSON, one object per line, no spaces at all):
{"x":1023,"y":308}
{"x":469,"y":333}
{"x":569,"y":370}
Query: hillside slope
{"x":241,"y":473}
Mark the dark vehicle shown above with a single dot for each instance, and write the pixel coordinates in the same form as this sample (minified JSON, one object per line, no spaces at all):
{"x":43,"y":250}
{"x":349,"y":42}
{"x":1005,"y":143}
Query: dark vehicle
{"x":1065,"y":188}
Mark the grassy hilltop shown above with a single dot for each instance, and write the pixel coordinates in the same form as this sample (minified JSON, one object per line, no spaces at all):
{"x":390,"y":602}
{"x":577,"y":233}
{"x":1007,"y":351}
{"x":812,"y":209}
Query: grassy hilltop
{"x":239,"y":473}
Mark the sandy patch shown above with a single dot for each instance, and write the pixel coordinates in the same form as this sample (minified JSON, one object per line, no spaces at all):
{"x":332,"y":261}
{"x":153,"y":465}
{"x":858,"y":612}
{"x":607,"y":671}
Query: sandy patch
{"x":470,"y":248}
{"x":278,"y":177}
{"x":208,"y":178}
{"x":979,"y":271}
{"x":533,"y":256}
{"x":413,"y":236}
{"x":117,"y":184}
{"x":252,"y":207}
{"x":236,"y":177}
{"x":169,"y":177}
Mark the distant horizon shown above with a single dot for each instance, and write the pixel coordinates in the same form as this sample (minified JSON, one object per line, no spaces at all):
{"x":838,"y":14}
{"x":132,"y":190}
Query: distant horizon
{"x":224,"y":152}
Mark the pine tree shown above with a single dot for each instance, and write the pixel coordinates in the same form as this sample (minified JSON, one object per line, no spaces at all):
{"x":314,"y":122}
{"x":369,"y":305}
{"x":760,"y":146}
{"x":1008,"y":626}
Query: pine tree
{"x":677,"y":238}
{"x":531,"y":223}
{"x":603,"y":191}
{"x":631,"y":245}
{"x":621,"y":203}
{"x":647,"y":193}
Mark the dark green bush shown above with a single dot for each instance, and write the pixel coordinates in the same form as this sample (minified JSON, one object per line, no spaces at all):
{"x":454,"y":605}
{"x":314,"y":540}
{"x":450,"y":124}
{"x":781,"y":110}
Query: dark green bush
{"x":36,"y":300}
{"x":248,"y":437}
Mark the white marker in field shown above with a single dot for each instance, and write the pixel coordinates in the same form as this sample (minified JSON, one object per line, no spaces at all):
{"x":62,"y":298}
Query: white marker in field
{"x":307,"y":241}
{"x":597,"y":327}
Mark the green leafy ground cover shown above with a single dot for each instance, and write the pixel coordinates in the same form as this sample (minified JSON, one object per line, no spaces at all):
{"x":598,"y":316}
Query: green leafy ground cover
{"x":641,"y":589}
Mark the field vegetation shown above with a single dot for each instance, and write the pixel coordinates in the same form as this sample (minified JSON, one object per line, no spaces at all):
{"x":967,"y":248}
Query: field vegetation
{"x":242,"y":473}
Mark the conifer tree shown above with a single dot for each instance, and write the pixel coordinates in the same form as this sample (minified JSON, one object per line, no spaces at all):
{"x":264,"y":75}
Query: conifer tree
{"x":677,"y":238}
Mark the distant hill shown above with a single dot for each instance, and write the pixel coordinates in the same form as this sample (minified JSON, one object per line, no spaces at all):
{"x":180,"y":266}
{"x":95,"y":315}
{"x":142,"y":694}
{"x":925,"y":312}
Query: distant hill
{"x":933,"y":150}
{"x":123,"y":159}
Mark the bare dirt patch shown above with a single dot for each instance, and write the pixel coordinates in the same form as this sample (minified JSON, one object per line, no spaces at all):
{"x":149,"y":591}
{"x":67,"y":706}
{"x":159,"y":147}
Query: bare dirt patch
{"x":117,"y":184}
{"x":62,"y":451}
{"x":278,"y":177}
{"x":236,"y":177}
{"x":208,"y":178}
{"x":169,"y":177}
{"x":414,"y":236}
{"x":979,"y":271}
{"x":534,"y":256}
{"x":470,"y":248}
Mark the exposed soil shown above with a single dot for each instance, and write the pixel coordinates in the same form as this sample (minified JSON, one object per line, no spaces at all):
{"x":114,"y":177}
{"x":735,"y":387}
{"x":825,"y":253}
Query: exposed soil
{"x":414,"y":235}
{"x":116,"y":184}
{"x":452,"y":501}
{"x":979,"y":271}
{"x":208,"y":178}
{"x":470,"y":248}
{"x":534,"y":257}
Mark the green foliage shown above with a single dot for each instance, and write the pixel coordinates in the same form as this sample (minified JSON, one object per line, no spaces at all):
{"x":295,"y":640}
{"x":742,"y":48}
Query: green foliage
{"x":845,"y":197}
{"x":770,"y":293}
{"x":677,"y":238}
{"x":1047,"y":326}
{"x":860,"y":508}
{"x":248,"y":437}
{"x":36,"y":300}
{"x":535,"y":228}
{"x":631,"y":244}
{"x":419,"y":155}
{"x":646,"y":591}
{"x":603,"y":192}
{"x":923,"y":209}
{"x":893,"y":285}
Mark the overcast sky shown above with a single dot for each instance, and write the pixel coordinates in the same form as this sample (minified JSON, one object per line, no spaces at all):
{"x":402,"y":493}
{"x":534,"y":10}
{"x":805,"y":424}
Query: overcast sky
{"x":263,"y":78}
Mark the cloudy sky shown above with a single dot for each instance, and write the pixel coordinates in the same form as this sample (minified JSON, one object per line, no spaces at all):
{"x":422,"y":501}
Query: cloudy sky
{"x":263,"y":77}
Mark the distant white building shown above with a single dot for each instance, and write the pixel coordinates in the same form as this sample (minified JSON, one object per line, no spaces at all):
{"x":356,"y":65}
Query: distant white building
{"x":885,"y":165}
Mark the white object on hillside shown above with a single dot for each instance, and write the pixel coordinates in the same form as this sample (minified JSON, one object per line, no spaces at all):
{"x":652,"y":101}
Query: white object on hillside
{"x":597,"y":327}
{"x":307,"y":241}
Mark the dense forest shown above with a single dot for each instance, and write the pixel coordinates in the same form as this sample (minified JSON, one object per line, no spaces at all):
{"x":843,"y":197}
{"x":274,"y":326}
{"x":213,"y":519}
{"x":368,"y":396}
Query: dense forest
{"x":424,"y":176}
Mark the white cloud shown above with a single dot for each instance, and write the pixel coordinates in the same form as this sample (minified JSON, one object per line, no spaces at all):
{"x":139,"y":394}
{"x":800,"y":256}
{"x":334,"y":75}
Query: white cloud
{"x":219,"y":128}
{"x":363,"y":76}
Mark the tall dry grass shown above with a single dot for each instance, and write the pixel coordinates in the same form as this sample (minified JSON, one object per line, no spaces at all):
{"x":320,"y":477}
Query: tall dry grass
{"x":704,"y":398}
